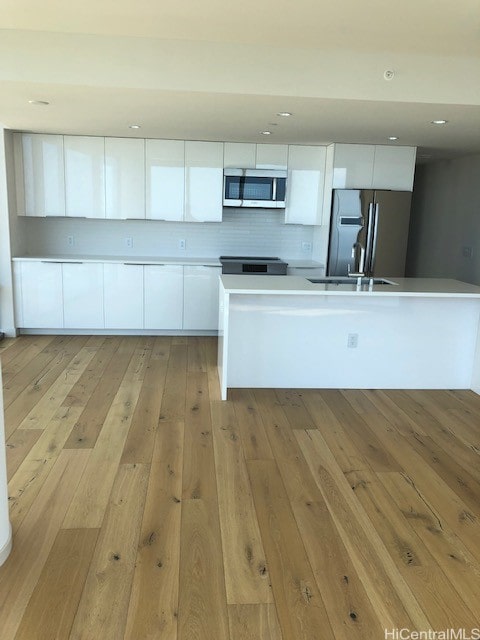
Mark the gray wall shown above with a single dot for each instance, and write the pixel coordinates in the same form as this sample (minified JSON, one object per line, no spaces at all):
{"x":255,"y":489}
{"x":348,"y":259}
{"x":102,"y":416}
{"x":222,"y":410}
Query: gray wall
{"x":446,"y":220}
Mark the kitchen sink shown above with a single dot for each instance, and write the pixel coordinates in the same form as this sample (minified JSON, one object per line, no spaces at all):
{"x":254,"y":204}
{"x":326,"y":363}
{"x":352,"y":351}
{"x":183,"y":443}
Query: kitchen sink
{"x":346,"y":280}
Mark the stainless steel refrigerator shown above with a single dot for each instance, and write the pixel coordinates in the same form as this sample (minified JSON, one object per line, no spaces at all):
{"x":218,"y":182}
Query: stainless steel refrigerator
{"x":368,"y":232}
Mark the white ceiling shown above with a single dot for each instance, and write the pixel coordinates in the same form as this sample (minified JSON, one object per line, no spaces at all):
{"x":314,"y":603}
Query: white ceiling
{"x":218,"y":70}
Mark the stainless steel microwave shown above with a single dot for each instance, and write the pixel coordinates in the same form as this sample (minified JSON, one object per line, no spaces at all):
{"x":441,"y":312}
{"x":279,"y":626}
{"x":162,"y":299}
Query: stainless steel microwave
{"x":262,"y":188}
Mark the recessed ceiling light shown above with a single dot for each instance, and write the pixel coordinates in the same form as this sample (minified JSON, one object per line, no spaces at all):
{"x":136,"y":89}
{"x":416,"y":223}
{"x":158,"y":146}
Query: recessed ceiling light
{"x":266,"y":133}
{"x":134,"y":126}
{"x":284,"y":114}
{"x":42,"y":103}
{"x":393,"y":137}
{"x":439,"y":121}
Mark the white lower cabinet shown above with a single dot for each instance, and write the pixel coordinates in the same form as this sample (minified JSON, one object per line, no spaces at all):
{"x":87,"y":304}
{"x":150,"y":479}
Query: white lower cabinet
{"x":200,"y":306}
{"x":83,"y":295}
{"x":123,"y":296}
{"x":163,"y":296}
{"x":39,"y":288}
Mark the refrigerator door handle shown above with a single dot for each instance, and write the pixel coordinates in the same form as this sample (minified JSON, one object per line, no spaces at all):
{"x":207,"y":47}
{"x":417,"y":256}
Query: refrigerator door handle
{"x":374,"y":240}
{"x":369,"y":240}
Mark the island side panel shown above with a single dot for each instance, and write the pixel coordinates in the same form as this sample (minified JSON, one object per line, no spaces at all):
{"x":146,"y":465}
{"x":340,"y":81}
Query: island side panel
{"x":222,"y":362}
{"x":302,"y":341}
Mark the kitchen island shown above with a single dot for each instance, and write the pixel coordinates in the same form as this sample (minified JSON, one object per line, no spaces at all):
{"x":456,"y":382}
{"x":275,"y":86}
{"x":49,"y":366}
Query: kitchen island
{"x":287,"y":332}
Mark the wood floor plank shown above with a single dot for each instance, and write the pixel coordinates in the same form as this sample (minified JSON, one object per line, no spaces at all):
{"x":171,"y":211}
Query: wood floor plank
{"x":85,"y":433}
{"x":17,"y":411}
{"x":425,"y":578}
{"x":18,"y":447}
{"x":455,"y":560}
{"x":21,"y":353}
{"x":199,"y":464}
{"x":300,"y":608}
{"x":42,"y":412}
{"x":391,"y":597}
{"x":212,"y":370}
{"x":253,"y":622}
{"x":296,"y":476}
{"x":35,"y":538}
{"x":349,"y":609}
{"x":291,"y":401}
{"x":103,"y":607}
{"x":202,"y":607}
{"x":37,"y":464}
{"x":246,"y":572}
{"x":153,"y":610}
{"x":252,"y":431}
{"x":54,"y":601}
{"x":196,"y":355}
{"x":173,"y":401}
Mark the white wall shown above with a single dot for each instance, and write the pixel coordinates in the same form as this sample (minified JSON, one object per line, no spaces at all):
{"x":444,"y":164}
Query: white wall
{"x":253,"y":232}
{"x":7,"y":323}
{"x":445,"y":220}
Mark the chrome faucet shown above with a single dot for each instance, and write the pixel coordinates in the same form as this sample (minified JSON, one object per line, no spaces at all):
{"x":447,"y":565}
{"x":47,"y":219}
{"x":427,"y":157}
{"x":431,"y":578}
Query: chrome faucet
{"x":361,"y":263}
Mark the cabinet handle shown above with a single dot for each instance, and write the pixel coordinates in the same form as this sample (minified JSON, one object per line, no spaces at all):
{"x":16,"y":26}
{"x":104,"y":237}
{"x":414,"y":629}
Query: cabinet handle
{"x":135,"y":264}
{"x":61,"y":262}
{"x":133,"y":218}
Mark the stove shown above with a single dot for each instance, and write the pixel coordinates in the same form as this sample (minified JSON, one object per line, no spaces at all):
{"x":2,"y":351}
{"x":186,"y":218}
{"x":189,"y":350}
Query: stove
{"x":253,"y":265}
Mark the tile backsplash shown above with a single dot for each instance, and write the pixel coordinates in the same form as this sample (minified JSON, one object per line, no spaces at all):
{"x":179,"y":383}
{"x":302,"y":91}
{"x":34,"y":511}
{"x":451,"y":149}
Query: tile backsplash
{"x":250,"y":232}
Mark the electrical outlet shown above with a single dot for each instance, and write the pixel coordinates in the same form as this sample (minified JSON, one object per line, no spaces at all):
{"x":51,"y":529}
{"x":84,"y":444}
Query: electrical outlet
{"x":182,"y":244}
{"x":129,"y":243}
{"x":306,"y":247}
{"x":352,"y":340}
{"x":467,"y":252}
{"x":71,"y":241}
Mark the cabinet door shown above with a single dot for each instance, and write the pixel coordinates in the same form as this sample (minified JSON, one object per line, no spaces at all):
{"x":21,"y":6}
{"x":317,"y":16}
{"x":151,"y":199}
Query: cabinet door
{"x":203,"y":181}
{"x":42,"y":296}
{"x":239,"y":155}
{"x":85,"y":176}
{"x":305,"y":183}
{"x":83,"y":295}
{"x":165,"y":166}
{"x":163,"y":296}
{"x":123,"y":296}
{"x":39,"y":163}
{"x":200,"y":306}
{"x":353,"y":166}
{"x":271,"y":156}
{"x":125,"y":178}
{"x":394,"y":168}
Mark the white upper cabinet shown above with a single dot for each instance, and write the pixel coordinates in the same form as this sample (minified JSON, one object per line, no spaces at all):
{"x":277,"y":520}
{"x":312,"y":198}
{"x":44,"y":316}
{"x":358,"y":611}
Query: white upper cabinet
{"x":85,"y":176}
{"x":40,"y":174}
{"x":394,"y":168}
{"x":203,"y":181}
{"x":125,"y":178}
{"x":165,"y":174}
{"x":305,"y":184}
{"x":361,"y":166}
{"x":272,"y":156}
{"x":239,"y":155}
{"x":353,"y":166}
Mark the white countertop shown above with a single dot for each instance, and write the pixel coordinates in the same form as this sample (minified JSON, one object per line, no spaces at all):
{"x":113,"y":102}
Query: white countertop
{"x":295,"y":285}
{"x":208,"y":262}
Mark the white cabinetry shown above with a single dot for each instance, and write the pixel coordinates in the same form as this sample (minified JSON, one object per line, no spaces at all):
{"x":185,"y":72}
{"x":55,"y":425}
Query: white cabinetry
{"x":85,"y":176}
{"x":165,"y":175}
{"x":163,"y":296}
{"x":271,"y":156}
{"x":83,"y":295}
{"x":125,"y":178}
{"x":123,"y":296}
{"x":38,"y":285}
{"x":305,"y":184}
{"x":239,"y":155}
{"x":200,"y":308}
{"x":203,"y":181}
{"x":358,"y":166}
{"x":39,"y":174}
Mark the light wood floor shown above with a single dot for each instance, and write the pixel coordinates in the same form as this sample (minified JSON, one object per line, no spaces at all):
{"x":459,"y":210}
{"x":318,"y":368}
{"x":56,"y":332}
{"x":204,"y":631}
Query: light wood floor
{"x":144,"y":507}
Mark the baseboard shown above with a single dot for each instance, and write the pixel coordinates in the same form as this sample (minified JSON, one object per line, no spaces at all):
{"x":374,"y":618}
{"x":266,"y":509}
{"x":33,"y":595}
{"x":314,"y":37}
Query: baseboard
{"x":7,"y":547}
{"x":115,"y":332}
